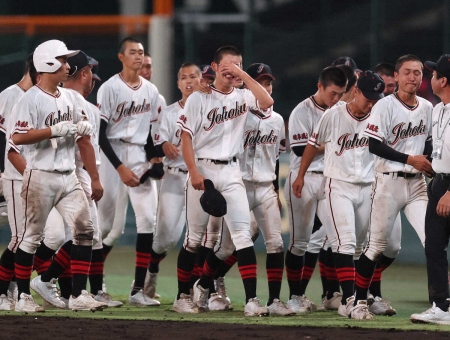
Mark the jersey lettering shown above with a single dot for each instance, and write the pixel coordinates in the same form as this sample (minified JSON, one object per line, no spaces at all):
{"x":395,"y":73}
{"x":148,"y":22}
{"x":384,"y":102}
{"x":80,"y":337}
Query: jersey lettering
{"x":253,"y":140}
{"x":54,"y":118}
{"x":401,"y":133}
{"x":218,"y":118}
{"x":346,"y":143}
{"x":123,"y":111}
{"x":300,"y":136}
{"x":372,"y":127}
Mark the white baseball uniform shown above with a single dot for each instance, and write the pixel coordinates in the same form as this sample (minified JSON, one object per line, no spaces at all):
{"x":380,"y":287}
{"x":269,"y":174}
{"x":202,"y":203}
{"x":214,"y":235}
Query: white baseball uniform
{"x":49,"y":179}
{"x":129,"y":112}
{"x":349,"y":172}
{"x":405,"y":129}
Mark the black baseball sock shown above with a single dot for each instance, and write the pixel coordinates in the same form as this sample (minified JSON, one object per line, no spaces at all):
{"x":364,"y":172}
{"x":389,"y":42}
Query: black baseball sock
{"x":23,"y":263}
{"x":345,"y":270}
{"x":332,"y":279}
{"x":202,"y":254}
{"x":366,"y":268}
{"x":96,"y":271}
{"x":143,"y":249}
{"x":323,"y":271}
{"x":185,"y":265}
{"x":375,"y":286}
{"x":308,"y":270}
{"x":6,"y":270}
{"x":226,"y":265}
{"x":274,"y":270}
{"x":42,"y":258}
{"x":59,"y":264}
{"x":155,"y":260}
{"x":210,"y":266}
{"x":80,"y":260}
{"x":294,"y":267}
{"x":247,"y":269}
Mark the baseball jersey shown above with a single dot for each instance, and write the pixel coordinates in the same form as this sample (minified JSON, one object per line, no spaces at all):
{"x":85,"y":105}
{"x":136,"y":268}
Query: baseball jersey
{"x":128,"y":110}
{"x":95,"y":112}
{"x":216,"y":122}
{"x":347,"y":155}
{"x":403,"y":128}
{"x":441,"y":130}
{"x":264,"y":140}
{"x":38,"y":109}
{"x":170,"y":131}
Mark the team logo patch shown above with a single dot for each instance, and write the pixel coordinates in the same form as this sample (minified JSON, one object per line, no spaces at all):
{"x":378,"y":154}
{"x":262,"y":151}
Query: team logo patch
{"x":260,"y":68}
{"x":99,"y":106}
{"x":376,"y":88}
{"x":183,"y":119}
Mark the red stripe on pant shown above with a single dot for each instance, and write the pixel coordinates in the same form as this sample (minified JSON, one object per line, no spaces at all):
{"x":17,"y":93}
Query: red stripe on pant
{"x":307,"y":272}
{"x":96,"y":268}
{"x":274,"y":274}
{"x":142,"y":259}
{"x":23,"y":272}
{"x":248,"y":271}
{"x":80,"y":267}
{"x":293,"y":275}
{"x":6,"y":274}
{"x":362,"y":282}
{"x":183,"y":276}
{"x":345,"y":274}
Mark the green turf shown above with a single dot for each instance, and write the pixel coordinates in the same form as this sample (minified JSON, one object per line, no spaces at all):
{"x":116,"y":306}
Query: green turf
{"x":404,"y":286}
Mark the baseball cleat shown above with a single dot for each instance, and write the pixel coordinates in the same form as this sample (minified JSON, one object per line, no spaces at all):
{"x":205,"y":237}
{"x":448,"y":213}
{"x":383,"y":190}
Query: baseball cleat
{"x":279,"y":308}
{"x":185,"y":304}
{"x":150,"y":284}
{"x":321,"y":307}
{"x":200,"y":297}
{"x":217,"y":302}
{"x":222,"y":291}
{"x":141,"y":300}
{"x":345,"y":310}
{"x":360,"y":311}
{"x":334,"y":302}
{"x":13,"y":292}
{"x":27,"y":304}
{"x":48,"y":291}
{"x":381,"y":306}
{"x":6,"y":303}
{"x":106,"y":298}
{"x":432,"y":315}
{"x":296,"y":304}
{"x":86,"y":301}
{"x":254,"y":308}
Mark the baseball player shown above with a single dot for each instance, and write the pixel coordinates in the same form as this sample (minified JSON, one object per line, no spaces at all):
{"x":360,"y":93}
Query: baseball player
{"x":399,"y":131}
{"x":171,"y":216}
{"x":347,"y":61}
{"x":302,"y":122}
{"x":47,"y":118}
{"x":438,"y":210}
{"x":12,"y":182}
{"x":386,"y":72}
{"x":208,"y":74}
{"x":349,"y":171}
{"x":351,"y":83}
{"x":128,"y":105}
{"x":210,"y":150}
{"x":146,"y":72}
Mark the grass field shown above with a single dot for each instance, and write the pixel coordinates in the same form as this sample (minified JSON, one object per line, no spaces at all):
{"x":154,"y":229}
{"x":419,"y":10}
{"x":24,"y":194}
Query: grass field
{"x":404,"y":286}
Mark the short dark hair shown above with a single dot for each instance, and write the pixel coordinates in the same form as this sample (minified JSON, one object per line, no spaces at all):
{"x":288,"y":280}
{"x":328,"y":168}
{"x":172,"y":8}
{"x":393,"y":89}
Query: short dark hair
{"x":146,"y":54}
{"x":228,"y":49}
{"x":125,"y":41}
{"x":403,"y":59}
{"x":28,"y":62}
{"x":350,"y":74}
{"x":333,"y":75}
{"x":385,"y":69}
{"x":189,"y":64}
{"x":33,"y":73}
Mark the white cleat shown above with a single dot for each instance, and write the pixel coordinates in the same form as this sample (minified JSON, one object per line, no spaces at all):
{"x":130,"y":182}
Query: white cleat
{"x":13,"y":292}
{"x":311,"y":306}
{"x":279,"y":308}
{"x":185,"y":304}
{"x":381,"y":306}
{"x":432,"y":315}
{"x":222,"y":291}
{"x":141,"y":300}
{"x":321,"y":307}
{"x":346,"y":309}
{"x":254,"y":308}
{"x":6,"y":303}
{"x":27,"y":304}
{"x":48,"y":291}
{"x":217,"y":303}
{"x":86,"y":301}
{"x":106,"y":298}
{"x":296,"y":304}
{"x":200,"y":297}
{"x":361,"y":311}
{"x":334,"y":302}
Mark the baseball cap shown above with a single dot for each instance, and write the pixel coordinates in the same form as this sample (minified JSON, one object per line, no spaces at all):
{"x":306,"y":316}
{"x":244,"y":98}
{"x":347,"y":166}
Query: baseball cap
{"x":259,"y":70}
{"x":207,"y":71}
{"x":80,"y":60}
{"x":212,"y":201}
{"x":95,"y":72}
{"x":371,"y":85}
{"x":442,"y":65}
{"x":346,"y":61}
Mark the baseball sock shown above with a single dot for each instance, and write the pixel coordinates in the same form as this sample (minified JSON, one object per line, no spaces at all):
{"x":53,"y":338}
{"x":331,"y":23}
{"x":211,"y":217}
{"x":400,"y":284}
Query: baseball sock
{"x":247,"y":269}
{"x":185,"y":265}
{"x":308,"y":270}
{"x":65,"y":283}
{"x":96,"y":271}
{"x":323,"y":271}
{"x":226,"y":265}
{"x":155,"y":259}
{"x":375,"y":286}
{"x":23,"y":267}
{"x":6,"y":270}
{"x":366,"y":268}
{"x":197,"y":273}
{"x":80,"y":260}
{"x":143,"y":248}
{"x":294,"y":267}
{"x":345,"y":270}
{"x":106,"y":250}
{"x":274,"y":270}
{"x":59,"y":264}
{"x":210,"y":266}
{"x":332,"y":279}
{"x":42,"y":258}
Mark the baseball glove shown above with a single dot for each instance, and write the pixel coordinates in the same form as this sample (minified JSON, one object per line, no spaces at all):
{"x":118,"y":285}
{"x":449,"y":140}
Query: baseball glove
{"x":155,"y":172}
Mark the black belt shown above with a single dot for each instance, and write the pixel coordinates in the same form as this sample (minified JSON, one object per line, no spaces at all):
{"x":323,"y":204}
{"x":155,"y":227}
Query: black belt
{"x":445,"y":177}
{"x":316,"y":172}
{"x":218,"y":161}
{"x":179,"y":170}
{"x":402,"y":174}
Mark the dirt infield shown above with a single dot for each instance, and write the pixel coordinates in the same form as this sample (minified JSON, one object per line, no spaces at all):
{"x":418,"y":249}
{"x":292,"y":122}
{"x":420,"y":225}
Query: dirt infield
{"x":37,"y":327}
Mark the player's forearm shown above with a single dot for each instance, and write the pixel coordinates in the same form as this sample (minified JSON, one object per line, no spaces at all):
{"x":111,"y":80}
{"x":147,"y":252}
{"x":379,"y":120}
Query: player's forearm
{"x":308,"y":157}
{"x":265,"y":101}
{"x":106,"y":147}
{"x":188,"y":152}
{"x":32,"y":136}
{"x":88,"y":156}
{"x":2,"y":150}
{"x":17,"y":161}
{"x":384,"y":151}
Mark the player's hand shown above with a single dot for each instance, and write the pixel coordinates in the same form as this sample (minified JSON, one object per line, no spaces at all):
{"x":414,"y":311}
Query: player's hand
{"x":421,"y":163}
{"x":443,"y":207}
{"x":197,"y":181}
{"x":230,"y":68}
{"x":156,"y":160}
{"x":62,"y":129}
{"x":170,"y":151}
{"x":297,"y":186}
{"x":127,"y":176}
{"x":203,"y":88}
{"x":97,"y":190}
{"x":84,"y":128}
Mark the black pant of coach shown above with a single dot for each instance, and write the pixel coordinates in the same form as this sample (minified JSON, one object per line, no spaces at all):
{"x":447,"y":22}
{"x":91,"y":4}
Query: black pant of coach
{"x":437,"y":234}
